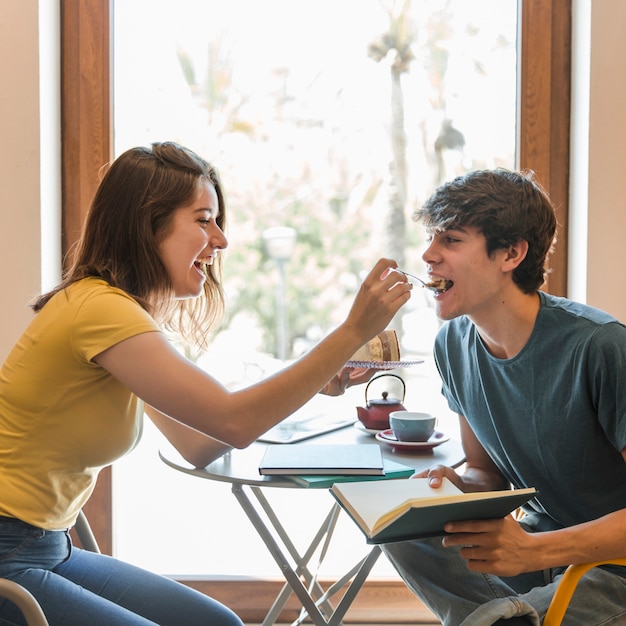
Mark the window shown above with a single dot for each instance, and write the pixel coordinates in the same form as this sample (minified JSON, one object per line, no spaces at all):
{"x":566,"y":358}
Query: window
{"x":334,"y":127}
{"x":542,"y":132}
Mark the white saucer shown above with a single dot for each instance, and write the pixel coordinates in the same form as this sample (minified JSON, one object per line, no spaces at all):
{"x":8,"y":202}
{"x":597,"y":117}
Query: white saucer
{"x":387,"y":436}
{"x":383,"y":365}
{"x":370,"y":431}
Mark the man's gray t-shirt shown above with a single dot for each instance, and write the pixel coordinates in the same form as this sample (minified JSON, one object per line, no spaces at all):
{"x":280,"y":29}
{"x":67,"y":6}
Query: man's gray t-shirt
{"x":552,"y":417}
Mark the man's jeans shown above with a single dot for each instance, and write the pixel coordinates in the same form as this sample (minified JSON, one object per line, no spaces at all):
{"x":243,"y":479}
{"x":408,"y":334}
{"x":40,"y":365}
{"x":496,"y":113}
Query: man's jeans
{"x":75,"y":587}
{"x":460,"y":597}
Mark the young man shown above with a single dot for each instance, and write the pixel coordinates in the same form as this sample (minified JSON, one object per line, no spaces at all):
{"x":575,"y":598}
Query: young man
{"x":539,"y":384}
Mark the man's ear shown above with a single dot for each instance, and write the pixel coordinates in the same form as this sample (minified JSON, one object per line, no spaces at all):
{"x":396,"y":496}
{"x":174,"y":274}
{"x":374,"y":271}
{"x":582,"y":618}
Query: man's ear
{"x":515,"y":254}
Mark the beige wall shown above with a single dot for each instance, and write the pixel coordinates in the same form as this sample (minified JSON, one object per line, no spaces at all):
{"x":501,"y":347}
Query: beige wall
{"x":29,"y":159}
{"x":597,"y":250}
{"x":607,"y":158}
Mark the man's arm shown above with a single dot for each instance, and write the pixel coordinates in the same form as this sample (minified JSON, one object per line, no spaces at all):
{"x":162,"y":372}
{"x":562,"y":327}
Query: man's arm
{"x":504,"y":548}
{"x":481,"y":473}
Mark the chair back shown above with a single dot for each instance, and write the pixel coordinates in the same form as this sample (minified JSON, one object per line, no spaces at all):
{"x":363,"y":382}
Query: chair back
{"x":25,"y":600}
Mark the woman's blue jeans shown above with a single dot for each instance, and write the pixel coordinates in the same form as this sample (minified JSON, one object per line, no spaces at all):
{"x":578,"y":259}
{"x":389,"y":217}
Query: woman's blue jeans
{"x":75,"y":587}
{"x":461,"y":597}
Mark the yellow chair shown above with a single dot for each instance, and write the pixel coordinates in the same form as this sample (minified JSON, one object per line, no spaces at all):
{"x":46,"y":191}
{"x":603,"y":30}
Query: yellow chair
{"x":566,"y":588}
{"x":24,"y":600}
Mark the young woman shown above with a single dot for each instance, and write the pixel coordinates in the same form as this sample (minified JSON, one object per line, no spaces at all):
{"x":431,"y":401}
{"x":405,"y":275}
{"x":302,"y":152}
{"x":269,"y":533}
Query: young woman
{"x":74,"y":389}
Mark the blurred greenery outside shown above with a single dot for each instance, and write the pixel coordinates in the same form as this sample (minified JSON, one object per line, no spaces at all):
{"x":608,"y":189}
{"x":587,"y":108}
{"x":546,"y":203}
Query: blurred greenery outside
{"x":336,"y":118}
{"x":361,"y":109}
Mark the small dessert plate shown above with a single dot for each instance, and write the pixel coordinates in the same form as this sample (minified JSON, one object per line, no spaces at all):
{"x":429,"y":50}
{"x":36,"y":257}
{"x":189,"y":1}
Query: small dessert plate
{"x":387,"y":436}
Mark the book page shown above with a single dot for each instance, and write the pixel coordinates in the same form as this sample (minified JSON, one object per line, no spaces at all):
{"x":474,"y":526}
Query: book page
{"x":372,"y":503}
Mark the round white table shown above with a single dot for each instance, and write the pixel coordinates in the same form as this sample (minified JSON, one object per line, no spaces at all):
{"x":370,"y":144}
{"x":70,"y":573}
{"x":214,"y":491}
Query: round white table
{"x":240,"y":468}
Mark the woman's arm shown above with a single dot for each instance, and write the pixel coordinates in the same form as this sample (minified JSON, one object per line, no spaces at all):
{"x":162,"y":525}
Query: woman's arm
{"x":347,"y":377}
{"x":151,"y":368}
{"x":200,"y":449}
{"x":195,"y":447}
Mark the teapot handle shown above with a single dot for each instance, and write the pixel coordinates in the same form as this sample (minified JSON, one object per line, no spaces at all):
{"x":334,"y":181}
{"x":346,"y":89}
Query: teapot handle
{"x":383,"y":375}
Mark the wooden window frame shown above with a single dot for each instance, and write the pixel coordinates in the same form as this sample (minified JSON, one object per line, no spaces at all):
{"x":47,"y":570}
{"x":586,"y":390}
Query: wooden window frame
{"x":87,"y":143}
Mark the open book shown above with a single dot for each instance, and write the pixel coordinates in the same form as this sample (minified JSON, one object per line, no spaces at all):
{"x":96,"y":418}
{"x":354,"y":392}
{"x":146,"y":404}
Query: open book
{"x":397,"y":510}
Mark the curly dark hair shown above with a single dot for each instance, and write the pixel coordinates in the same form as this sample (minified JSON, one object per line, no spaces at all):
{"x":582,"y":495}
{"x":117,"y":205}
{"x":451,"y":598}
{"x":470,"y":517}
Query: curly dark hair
{"x":506,"y":207}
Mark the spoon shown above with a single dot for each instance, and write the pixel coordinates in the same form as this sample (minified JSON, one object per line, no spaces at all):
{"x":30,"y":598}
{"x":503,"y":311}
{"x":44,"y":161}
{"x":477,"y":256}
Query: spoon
{"x":439,"y":286}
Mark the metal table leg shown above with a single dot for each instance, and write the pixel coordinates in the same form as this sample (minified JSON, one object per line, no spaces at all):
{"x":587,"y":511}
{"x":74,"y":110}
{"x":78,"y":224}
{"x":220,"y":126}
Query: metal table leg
{"x":315,"y":601}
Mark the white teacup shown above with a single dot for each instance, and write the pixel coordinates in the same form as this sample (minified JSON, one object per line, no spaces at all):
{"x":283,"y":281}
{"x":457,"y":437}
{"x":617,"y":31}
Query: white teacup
{"x":411,"y":425}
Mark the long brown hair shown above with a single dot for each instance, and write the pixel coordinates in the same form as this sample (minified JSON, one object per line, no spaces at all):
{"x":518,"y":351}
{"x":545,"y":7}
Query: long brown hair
{"x":130,"y":214}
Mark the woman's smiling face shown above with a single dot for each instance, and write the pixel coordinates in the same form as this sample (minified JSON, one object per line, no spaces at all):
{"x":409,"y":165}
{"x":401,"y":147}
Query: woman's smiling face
{"x":193,"y":241}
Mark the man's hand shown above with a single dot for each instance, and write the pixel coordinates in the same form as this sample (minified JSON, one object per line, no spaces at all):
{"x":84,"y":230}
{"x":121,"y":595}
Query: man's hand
{"x":498,"y":546}
{"x":437,"y":473}
{"x":347,"y":377}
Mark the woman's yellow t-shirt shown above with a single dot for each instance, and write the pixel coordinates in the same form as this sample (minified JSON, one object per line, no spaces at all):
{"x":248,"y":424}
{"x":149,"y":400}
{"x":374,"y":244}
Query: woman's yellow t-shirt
{"x":63,"y":417}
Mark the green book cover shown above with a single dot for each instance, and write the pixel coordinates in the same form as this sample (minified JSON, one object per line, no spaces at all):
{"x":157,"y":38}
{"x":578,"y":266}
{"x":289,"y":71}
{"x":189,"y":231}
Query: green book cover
{"x":393,"y":469}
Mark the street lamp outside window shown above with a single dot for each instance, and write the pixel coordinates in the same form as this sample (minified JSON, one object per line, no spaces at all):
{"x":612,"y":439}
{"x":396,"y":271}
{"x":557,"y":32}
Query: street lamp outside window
{"x":279,"y":243}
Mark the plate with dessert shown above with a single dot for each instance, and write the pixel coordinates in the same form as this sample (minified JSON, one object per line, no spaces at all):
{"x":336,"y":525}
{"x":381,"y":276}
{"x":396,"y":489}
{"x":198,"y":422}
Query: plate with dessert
{"x":383,"y":365}
{"x":381,"y":352}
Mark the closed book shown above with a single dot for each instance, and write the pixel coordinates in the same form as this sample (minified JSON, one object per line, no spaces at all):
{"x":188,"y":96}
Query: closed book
{"x":393,"y":470}
{"x":398,"y":510}
{"x":328,"y":459}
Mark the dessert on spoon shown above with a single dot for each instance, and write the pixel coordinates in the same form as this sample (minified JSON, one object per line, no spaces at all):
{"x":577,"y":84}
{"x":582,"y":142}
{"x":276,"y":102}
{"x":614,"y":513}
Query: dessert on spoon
{"x":438,"y":285}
